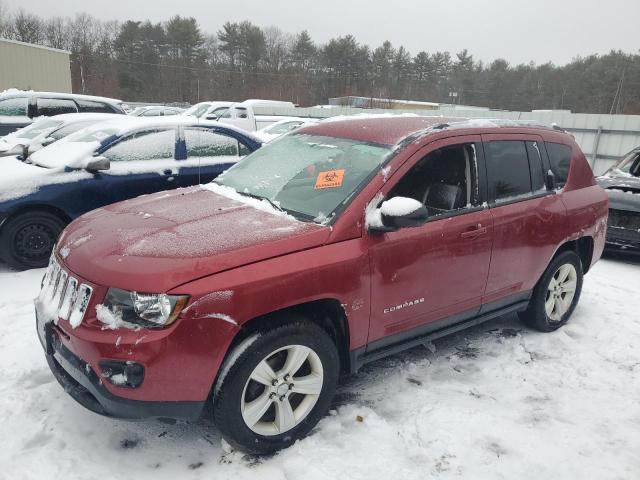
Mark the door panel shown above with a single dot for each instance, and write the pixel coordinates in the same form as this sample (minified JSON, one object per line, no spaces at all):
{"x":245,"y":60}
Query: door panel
{"x":424,"y":274}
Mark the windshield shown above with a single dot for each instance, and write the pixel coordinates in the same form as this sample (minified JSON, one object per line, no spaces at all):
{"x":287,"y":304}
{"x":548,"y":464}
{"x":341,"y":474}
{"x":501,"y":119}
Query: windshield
{"x":69,"y":129}
{"x":283,"y":127}
{"x":309,"y":176}
{"x":97,"y":135}
{"x":628,"y":163}
{"x":197,"y":110}
{"x":38,"y":128}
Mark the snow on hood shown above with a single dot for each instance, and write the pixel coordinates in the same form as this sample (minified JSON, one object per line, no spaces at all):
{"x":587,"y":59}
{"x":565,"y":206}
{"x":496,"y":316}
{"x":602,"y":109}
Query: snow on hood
{"x":65,"y":153}
{"x":18,"y":179}
{"x":169,"y":238}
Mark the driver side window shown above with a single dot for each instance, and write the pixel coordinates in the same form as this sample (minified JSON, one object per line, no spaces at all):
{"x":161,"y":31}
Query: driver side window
{"x":145,"y":145}
{"x":443,"y":181}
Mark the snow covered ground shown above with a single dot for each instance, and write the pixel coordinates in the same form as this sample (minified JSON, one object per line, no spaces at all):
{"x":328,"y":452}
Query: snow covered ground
{"x":498,"y":401}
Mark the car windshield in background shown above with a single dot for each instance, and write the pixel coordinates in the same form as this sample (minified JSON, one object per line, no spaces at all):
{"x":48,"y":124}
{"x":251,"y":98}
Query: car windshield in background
{"x":93,"y":135}
{"x":69,"y":129}
{"x":197,"y":110}
{"x":282,"y":128}
{"x":629,"y":162}
{"x":308,"y":176}
{"x":38,"y":128}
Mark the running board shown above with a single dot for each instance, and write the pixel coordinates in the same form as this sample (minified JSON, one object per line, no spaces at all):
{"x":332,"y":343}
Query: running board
{"x":360,"y":356}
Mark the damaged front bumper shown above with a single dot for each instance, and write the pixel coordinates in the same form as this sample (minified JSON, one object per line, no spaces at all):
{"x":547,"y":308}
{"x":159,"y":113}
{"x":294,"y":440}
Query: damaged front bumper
{"x":79,"y":380}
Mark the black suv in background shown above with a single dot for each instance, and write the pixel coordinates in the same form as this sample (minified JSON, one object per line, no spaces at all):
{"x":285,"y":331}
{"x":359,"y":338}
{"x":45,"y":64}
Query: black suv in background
{"x":19,"y":108}
{"x":622,"y":183}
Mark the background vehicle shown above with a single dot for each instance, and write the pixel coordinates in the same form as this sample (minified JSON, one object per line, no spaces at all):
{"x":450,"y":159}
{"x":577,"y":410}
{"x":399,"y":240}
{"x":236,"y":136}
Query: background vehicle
{"x":156,"y":111}
{"x":106,"y":163}
{"x":242,"y":114}
{"x":19,"y":108}
{"x":622,"y":183}
{"x":208,"y":110}
{"x":286,"y":125}
{"x":332,"y":247}
{"x":46,"y":130}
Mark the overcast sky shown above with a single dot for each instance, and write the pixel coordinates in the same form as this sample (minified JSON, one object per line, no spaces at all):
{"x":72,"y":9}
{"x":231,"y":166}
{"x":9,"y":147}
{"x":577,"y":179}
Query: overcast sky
{"x":517,"y":30}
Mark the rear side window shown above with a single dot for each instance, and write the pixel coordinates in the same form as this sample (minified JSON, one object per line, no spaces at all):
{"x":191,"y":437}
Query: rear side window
{"x":205,"y":143}
{"x":49,"y":107}
{"x":13,"y":107}
{"x":508,"y":169}
{"x":560,"y":160}
{"x":93,"y":107}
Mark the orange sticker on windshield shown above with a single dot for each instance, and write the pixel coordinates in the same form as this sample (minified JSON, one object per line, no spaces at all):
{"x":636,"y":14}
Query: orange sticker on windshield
{"x":330,"y":179}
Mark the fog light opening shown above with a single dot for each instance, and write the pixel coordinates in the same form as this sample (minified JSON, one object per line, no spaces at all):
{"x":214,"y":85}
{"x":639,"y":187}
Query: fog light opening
{"x":122,"y":374}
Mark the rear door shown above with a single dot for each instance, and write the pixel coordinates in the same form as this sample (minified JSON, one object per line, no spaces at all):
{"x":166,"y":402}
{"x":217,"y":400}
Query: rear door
{"x":528,"y":220}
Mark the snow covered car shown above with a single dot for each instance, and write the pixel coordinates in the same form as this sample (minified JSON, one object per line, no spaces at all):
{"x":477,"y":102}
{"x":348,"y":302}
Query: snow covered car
{"x":46,"y":130}
{"x":331,"y":247}
{"x":102,"y":164}
{"x":19,"y":108}
{"x":622,"y":183}
{"x":281,"y":127}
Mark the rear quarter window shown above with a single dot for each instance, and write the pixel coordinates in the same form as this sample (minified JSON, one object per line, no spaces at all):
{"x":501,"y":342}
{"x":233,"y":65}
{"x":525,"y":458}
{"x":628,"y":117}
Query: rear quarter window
{"x":560,"y":161}
{"x":49,"y":107}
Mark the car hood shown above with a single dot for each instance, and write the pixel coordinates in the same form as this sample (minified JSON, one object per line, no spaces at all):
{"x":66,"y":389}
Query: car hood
{"x":623,"y":190}
{"x":157,"y":242}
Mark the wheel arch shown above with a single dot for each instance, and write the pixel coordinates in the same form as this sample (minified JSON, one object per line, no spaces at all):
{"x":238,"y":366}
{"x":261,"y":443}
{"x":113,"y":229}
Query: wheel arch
{"x":36,"y":207}
{"x":583,"y":247}
{"x":328,"y":313}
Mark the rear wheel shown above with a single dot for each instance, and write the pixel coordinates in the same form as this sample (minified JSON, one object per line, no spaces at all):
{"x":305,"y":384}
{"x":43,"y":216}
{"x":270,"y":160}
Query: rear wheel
{"x":27,"y":239}
{"x":275,"y":386}
{"x":556,"y":294}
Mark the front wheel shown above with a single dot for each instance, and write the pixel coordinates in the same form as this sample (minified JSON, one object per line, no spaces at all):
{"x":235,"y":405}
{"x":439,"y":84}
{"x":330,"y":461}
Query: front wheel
{"x":27,"y":239}
{"x":556,"y":294}
{"x":275,"y":386}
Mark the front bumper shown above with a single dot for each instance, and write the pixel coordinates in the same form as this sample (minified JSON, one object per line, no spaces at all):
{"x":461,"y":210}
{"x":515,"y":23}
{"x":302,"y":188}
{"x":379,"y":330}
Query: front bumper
{"x":79,"y":380}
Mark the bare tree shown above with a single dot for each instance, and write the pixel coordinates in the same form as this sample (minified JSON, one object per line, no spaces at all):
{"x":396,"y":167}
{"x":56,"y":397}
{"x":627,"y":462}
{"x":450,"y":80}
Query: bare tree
{"x":27,"y":27}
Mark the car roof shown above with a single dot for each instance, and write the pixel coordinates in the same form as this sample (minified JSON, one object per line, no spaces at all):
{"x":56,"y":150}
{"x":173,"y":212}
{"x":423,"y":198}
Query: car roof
{"x":29,"y":93}
{"x":126,"y":124}
{"x":392,"y":129}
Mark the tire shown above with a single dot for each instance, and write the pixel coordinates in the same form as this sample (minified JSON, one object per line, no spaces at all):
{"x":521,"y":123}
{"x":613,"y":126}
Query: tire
{"x":27,"y":240}
{"x":553,"y":302}
{"x":237,"y":396}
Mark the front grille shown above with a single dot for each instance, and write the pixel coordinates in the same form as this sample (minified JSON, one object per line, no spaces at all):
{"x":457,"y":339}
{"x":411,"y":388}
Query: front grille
{"x":62,"y":296}
{"x":624,"y":219}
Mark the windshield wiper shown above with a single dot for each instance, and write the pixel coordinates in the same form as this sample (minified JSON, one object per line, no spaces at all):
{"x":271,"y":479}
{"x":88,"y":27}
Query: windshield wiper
{"x":258,"y":197}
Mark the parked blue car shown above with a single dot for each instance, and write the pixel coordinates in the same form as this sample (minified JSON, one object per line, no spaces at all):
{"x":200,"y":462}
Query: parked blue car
{"x":102,"y":164}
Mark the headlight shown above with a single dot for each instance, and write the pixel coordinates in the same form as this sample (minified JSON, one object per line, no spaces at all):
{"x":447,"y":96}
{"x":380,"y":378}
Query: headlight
{"x":144,"y":309}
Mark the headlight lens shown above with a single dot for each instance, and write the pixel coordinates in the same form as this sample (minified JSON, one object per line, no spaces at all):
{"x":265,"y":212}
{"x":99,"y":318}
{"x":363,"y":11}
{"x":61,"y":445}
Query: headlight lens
{"x":144,"y":309}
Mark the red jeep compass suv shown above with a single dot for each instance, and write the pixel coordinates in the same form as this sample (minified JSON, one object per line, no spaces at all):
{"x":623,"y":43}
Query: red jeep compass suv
{"x":331,"y":247}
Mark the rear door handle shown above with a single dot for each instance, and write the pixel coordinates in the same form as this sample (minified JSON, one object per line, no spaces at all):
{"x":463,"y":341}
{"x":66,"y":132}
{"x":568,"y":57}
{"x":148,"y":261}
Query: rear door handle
{"x":168,"y":171}
{"x":476,"y":232}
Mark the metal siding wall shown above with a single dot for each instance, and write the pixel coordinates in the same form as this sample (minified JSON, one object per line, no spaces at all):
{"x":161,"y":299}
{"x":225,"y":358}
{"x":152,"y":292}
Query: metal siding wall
{"x":620,"y":133}
{"x":34,"y":68}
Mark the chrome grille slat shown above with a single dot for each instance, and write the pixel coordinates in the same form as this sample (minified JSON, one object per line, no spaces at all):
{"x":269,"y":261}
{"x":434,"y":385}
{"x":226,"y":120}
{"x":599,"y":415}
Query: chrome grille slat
{"x":65,"y":294}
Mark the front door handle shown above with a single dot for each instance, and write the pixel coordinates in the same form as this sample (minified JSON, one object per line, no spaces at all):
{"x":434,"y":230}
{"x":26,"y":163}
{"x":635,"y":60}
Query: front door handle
{"x":474,"y":232}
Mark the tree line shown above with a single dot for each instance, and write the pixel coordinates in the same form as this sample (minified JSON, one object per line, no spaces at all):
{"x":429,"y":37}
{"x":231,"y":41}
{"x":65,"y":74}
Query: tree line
{"x":176,"y":61}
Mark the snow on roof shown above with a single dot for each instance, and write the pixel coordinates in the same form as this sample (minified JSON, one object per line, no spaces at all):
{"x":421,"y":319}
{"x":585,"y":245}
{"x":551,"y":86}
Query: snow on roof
{"x":21,"y":93}
{"x":33,"y":45}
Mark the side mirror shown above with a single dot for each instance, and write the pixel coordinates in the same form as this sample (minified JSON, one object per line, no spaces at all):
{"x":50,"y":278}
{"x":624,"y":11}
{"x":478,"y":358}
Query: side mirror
{"x":550,"y":180}
{"x":97,"y":164}
{"x":212,"y":116}
{"x":400,"y":212}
